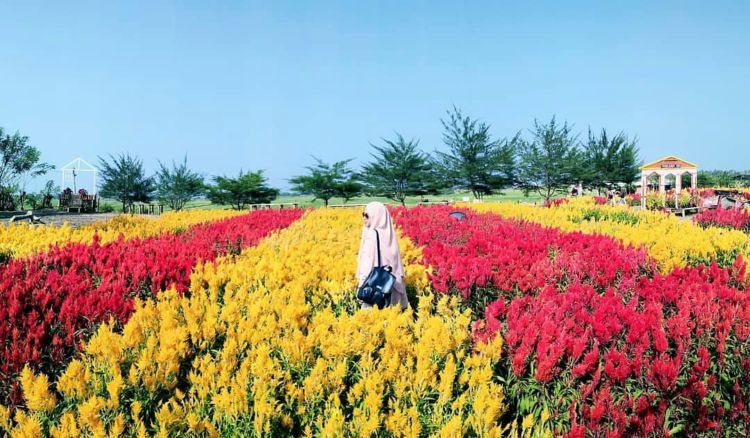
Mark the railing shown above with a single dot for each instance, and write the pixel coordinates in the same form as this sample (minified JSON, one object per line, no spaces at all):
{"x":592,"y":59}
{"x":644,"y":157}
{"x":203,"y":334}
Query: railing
{"x":80,"y":203}
{"x":144,"y":209}
{"x":443,"y":202}
{"x":347,"y":205}
{"x":271,"y":206}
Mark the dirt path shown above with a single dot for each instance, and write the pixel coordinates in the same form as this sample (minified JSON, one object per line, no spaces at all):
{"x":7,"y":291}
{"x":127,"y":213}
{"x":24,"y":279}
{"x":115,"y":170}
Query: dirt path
{"x":76,"y":220}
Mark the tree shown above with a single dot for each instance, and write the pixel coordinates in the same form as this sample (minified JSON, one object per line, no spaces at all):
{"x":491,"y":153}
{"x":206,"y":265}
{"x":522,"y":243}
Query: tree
{"x":350,"y":188}
{"x":474,"y":161}
{"x":246,"y":188}
{"x":178,"y":185}
{"x":17,"y":158}
{"x":725,"y":178}
{"x":609,"y":161}
{"x":720,"y":178}
{"x":549,"y":163}
{"x":325,"y":181}
{"x":47,"y":193}
{"x":125,"y":180}
{"x":399,"y":169}
{"x":705,"y":180}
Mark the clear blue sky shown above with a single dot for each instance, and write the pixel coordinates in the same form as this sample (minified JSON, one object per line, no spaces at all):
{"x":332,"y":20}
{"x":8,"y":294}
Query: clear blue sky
{"x":266,"y":85}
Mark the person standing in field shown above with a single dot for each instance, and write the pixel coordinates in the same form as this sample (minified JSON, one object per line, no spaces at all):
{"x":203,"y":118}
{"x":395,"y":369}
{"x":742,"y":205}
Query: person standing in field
{"x":377,"y":217}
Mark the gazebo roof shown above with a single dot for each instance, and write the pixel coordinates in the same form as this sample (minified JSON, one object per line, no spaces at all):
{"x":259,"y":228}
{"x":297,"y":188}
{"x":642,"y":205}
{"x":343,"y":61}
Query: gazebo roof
{"x":79,"y":164}
{"x":670,"y":162}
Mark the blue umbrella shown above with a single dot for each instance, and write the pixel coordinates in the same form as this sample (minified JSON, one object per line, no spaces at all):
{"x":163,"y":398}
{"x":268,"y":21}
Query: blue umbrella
{"x":458,"y":215}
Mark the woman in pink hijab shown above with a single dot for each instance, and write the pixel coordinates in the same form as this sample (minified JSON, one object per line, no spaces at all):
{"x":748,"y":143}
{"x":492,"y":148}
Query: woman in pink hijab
{"x":377,"y":217}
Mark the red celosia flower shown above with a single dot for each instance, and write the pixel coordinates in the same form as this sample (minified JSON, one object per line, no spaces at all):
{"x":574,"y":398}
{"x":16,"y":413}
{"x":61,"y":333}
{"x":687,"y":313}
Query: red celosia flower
{"x":55,"y":299}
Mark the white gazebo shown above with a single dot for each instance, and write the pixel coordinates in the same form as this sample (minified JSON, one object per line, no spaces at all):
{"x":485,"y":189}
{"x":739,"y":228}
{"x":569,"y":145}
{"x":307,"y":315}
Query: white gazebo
{"x":669,"y":171}
{"x":75,"y":168}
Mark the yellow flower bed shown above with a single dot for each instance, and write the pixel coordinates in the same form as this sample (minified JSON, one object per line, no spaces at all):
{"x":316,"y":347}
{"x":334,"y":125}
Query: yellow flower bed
{"x":23,"y":239}
{"x":271,"y":343}
{"x":671,"y":241}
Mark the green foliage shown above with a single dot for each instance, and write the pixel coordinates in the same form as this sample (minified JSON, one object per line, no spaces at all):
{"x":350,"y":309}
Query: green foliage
{"x":18,"y":158}
{"x":474,"y":161}
{"x":350,"y":189}
{"x":245,"y":189}
{"x":597,"y":215}
{"x":722,"y":178}
{"x":50,"y":188}
{"x":33,"y":200}
{"x":551,"y":161}
{"x":47,"y":193}
{"x":178,"y":185}
{"x":609,"y":161}
{"x":399,"y":169}
{"x":325,"y":181}
{"x":705,"y":180}
{"x":106,"y":208}
{"x":43,"y":199}
{"x":125,"y":180}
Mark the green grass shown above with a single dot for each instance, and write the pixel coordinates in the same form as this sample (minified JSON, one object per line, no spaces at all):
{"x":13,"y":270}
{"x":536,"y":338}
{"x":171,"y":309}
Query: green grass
{"x":507,"y":196}
{"x":511,"y":195}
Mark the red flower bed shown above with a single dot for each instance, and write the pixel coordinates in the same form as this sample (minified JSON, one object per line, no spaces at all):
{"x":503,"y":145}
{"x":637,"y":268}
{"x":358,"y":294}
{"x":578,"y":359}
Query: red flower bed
{"x":52,"y":301}
{"x":592,"y":331}
{"x":722,"y":217}
{"x":555,"y":202}
{"x":486,"y":250}
{"x":633,"y":199}
{"x":600,"y":200}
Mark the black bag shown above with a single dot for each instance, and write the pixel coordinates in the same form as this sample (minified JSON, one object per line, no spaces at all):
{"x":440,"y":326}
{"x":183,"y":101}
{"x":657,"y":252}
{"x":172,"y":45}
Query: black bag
{"x":376,"y":290}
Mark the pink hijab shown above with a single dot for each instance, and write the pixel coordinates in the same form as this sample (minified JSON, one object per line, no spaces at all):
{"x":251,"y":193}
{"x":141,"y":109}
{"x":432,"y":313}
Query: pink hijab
{"x":380,"y":220}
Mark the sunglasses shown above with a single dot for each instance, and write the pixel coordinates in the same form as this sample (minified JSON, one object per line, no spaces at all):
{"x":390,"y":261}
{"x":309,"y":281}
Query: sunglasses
{"x":365,"y":215}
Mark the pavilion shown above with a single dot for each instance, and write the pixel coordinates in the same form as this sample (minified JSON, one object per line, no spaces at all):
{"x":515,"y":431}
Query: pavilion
{"x":666,"y":174}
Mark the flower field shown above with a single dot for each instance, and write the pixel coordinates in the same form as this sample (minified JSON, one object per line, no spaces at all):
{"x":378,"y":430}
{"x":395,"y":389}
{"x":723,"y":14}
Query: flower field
{"x":670,"y":241}
{"x":593,"y":333}
{"x":572,"y":320}
{"x":22,"y":239}
{"x":728,"y":218}
{"x":51,"y":301}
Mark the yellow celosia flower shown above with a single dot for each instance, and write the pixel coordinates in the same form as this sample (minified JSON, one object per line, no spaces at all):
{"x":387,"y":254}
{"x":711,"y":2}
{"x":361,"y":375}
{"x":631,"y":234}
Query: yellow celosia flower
{"x":671,"y":241}
{"x":36,"y":391}
{"x":90,"y":414}
{"x":72,"y":383}
{"x":118,"y":426}
{"x":114,"y":387}
{"x":23,"y":239}
{"x":68,"y":427}
{"x":273,"y":340}
{"x":106,"y":344}
{"x":528,"y":422}
{"x":452,"y":428}
{"x":169,"y":414}
{"x":27,"y":426}
{"x":135,"y":409}
{"x":4,"y":418}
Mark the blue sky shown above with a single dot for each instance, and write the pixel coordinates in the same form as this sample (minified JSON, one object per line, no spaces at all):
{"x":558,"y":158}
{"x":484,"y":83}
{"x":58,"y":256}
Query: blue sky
{"x":266,"y":85}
